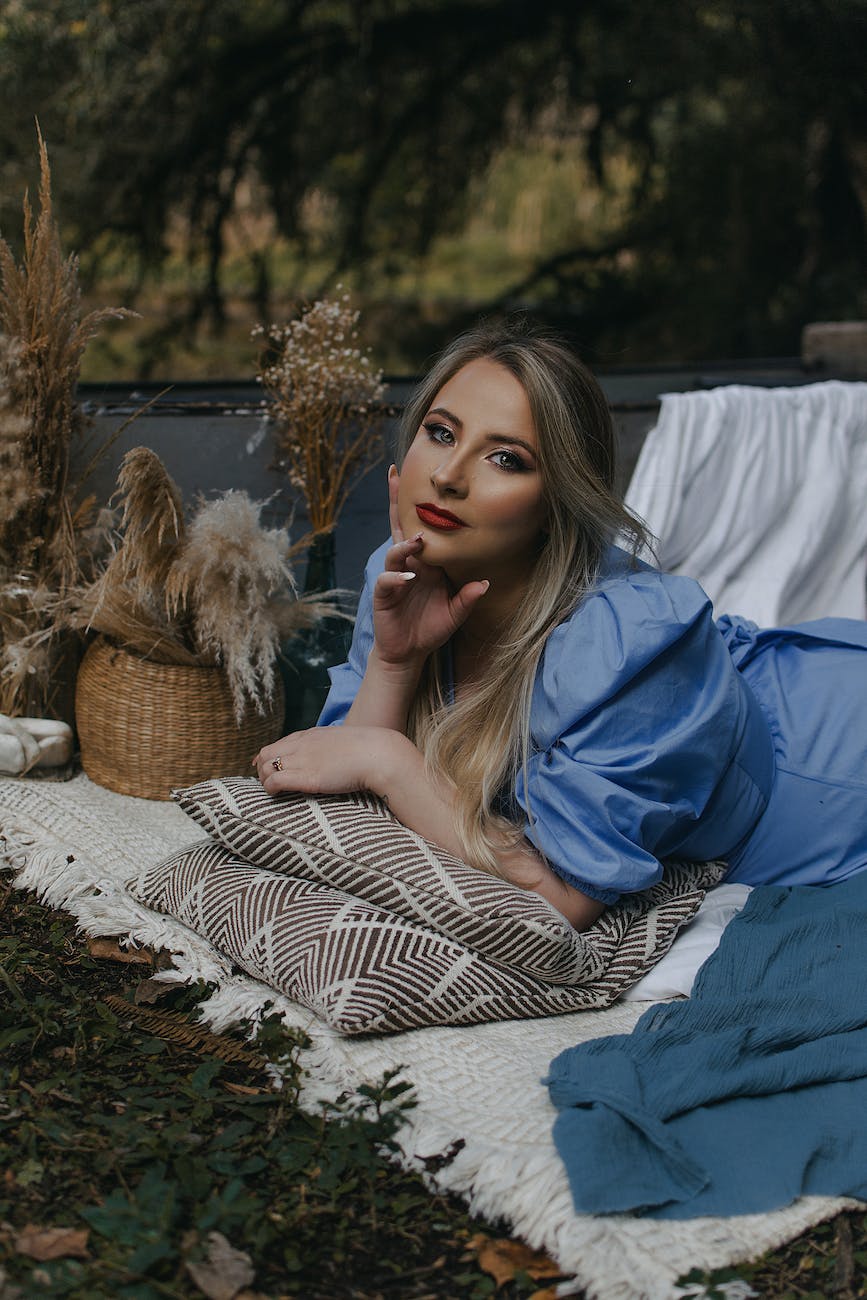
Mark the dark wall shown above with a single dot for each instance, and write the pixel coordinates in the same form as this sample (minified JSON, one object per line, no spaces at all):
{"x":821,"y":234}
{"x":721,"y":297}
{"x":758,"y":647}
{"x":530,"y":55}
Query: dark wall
{"x":215,"y":437}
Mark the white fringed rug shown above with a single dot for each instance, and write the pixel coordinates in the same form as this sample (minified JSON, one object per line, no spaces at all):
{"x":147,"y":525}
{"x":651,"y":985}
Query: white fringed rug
{"x":478,"y":1085}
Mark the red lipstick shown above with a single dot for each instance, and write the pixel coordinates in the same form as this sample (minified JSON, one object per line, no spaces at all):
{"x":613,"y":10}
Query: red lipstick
{"x":434,"y":517}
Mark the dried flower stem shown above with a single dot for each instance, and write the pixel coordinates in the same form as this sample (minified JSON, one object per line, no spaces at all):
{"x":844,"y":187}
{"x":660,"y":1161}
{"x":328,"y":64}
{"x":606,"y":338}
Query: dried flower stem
{"x":325,"y":400}
{"x":45,"y":545}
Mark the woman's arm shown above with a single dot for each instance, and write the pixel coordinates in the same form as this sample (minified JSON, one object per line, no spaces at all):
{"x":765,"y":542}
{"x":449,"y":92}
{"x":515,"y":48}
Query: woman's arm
{"x":332,"y":760}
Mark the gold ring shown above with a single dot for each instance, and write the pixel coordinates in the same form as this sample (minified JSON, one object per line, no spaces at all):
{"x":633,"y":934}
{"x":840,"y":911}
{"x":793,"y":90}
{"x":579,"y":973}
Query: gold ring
{"x":277,"y":764}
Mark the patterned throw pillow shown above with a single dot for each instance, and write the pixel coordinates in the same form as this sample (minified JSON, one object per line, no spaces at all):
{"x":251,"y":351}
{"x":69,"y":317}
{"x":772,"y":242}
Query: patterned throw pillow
{"x":353,"y":843}
{"x":363,"y":969}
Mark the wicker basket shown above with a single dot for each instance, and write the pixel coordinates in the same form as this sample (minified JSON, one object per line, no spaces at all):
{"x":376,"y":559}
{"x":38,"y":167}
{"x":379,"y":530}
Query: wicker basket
{"x":146,"y":727}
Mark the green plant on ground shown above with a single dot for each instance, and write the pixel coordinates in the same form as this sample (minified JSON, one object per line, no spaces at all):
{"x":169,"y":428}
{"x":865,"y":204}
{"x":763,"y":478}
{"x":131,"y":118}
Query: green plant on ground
{"x":138,"y":1135}
{"x":145,"y":1153}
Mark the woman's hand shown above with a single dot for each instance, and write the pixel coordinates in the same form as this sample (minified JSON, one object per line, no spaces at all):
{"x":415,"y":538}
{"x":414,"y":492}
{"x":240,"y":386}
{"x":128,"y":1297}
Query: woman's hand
{"x":414,"y":608}
{"x":335,"y":760}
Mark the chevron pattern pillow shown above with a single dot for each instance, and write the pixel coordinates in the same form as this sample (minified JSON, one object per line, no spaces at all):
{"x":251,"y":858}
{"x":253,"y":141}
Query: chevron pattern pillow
{"x":363,"y":969}
{"x":354,"y":844}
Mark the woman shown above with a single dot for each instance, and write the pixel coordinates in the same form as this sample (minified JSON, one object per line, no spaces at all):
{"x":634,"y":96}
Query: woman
{"x":537,"y":701}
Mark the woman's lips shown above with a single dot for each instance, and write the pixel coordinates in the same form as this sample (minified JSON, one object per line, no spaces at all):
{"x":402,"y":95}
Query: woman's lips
{"x":437,"y":518}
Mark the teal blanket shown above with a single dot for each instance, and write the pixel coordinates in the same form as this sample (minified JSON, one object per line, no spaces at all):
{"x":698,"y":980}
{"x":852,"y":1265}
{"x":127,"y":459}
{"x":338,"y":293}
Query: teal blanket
{"x":751,"y":1093}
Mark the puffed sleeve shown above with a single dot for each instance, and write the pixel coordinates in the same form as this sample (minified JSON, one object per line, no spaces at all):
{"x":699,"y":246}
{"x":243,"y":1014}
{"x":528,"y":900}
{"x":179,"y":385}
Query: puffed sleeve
{"x":346,"y":678}
{"x":640,"y":726}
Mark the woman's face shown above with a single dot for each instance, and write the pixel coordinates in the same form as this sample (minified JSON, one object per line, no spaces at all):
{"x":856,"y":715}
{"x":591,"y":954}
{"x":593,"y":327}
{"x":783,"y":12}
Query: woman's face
{"x":470,"y":481}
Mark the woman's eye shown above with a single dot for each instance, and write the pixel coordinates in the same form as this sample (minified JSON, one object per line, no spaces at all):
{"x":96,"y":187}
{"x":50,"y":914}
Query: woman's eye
{"x":507,"y":460}
{"x":439,"y":432}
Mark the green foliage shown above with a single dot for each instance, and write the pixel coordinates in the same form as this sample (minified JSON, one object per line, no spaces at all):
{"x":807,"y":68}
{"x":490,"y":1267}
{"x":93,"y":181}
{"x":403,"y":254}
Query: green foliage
{"x":721,"y":151}
{"x":829,"y":1260}
{"x":152,"y":1147}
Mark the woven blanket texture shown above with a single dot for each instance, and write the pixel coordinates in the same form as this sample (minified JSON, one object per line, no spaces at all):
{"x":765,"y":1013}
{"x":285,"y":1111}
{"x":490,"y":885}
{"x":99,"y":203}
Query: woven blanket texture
{"x":480,"y":1085}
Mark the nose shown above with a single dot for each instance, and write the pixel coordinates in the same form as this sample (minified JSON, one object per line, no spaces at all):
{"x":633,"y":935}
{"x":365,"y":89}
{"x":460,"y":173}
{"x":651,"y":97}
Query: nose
{"x":449,"y":477}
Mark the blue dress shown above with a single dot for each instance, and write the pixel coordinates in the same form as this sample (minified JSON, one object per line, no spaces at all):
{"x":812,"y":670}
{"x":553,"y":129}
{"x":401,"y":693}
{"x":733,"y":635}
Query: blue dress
{"x":658,"y":732}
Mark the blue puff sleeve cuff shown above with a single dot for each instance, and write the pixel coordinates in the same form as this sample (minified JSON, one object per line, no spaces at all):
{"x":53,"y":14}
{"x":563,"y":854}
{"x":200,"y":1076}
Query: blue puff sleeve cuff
{"x":637,"y":714}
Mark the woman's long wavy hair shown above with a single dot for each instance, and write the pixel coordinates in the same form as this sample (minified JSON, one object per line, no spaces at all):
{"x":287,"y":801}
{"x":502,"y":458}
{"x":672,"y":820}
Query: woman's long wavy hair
{"x":480,"y":743}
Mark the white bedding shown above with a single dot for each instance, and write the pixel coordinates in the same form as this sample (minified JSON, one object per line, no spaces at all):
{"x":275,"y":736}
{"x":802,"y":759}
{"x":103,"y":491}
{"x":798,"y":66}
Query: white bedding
{"x":675,"y":974}
{"x":758,"y":494}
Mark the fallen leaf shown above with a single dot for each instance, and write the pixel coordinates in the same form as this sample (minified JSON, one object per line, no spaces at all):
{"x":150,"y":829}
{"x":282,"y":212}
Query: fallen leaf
{"x":110,"y":950}
{"x":224,"y":1272}
{"x":149,"y":991}
{"x":502,"y":1259}
{"x":52,"y":1243}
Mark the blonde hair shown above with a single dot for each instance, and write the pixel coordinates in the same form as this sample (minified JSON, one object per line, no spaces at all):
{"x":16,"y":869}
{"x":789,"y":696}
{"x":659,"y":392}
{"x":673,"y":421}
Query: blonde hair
{"x":481,"y":742}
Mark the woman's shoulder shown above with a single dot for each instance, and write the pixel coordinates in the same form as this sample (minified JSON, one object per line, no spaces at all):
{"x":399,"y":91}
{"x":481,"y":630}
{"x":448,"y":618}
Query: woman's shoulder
{"x":633,"y":617}
{"x":637,"y":604}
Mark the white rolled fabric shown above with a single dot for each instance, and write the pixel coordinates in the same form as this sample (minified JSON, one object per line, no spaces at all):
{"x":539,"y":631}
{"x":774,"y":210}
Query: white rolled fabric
{"x":759,"y":494}
{"x":26,"y":743}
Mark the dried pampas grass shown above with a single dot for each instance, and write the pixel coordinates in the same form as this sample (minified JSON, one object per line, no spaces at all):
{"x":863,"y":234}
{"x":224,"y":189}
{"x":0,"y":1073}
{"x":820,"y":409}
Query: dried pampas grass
{"x":16,"y":481}
{"x":226,"y":578}
{"x":46,"y":544}
{"x":127,"y":602}
{"x":153,"y":519}
{"x":216,"y":591}
{"x":40,"y":316}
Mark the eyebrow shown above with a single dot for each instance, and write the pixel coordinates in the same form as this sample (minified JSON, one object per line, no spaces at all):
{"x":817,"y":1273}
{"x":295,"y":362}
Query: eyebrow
{"x":492,"y":437}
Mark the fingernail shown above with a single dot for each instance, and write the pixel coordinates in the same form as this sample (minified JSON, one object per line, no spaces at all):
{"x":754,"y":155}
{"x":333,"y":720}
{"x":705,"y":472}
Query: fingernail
{"x":418,"y":537}
{"x":407,"y":574}
{"x":391,"y":470}
{"x":485,"y":583}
